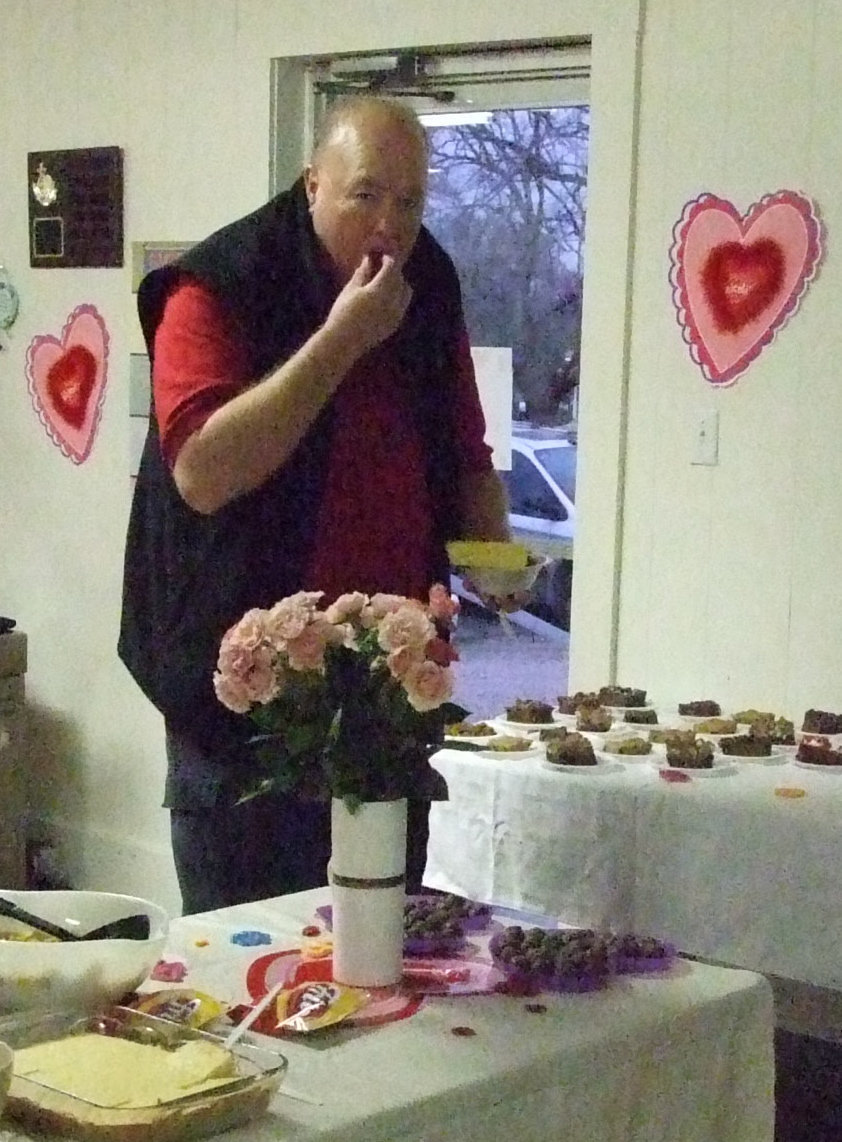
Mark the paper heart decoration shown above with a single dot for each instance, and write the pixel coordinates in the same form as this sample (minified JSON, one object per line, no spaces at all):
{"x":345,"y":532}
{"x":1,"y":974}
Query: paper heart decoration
{"x":66,"y":378}
{"x":737,"y":278}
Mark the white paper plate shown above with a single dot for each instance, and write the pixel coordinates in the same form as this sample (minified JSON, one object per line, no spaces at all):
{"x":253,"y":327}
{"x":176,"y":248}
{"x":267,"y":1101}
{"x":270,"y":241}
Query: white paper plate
{"x":621,"y":711}
{"x":521,"y":727}
{"x":604,"y":764}
{"x":774,"y":758}
{"x":692,"y":719}
{"x":639,"y":728}
{"x":818,"y":768}
{"x":510,"y":754}
{"x":623,"y":758}
{"x":474,"y":741}
{"x":721,"y":768}
{"x":563,"y":719}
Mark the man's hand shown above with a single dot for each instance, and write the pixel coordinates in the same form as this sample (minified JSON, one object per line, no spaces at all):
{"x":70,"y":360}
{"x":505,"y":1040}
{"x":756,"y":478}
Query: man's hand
{"x":371,"y":305}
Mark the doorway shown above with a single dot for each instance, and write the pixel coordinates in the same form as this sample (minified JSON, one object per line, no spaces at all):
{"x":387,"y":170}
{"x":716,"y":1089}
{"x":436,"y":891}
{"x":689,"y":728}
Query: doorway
{"x":508,"y":136}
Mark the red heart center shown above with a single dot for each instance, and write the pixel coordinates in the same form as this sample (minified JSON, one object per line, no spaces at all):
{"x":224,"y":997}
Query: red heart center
{"x":70,"y":382}
{"x":740,"y":281}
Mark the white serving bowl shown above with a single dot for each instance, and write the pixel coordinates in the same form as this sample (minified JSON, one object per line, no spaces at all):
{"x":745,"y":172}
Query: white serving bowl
{"x":498,"y":583}
{"x":6,"y":1061}
{"x":83,"y":974}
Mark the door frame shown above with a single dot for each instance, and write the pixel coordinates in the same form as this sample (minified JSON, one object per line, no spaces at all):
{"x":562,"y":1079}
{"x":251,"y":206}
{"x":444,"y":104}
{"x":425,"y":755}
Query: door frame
{"x":614,"y":31}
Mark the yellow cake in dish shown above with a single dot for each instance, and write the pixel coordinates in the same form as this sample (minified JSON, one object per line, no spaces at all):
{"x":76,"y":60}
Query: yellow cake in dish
{"x":113,"y":1072}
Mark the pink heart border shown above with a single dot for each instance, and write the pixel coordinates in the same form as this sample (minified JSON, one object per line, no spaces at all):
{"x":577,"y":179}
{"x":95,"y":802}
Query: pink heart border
{"x":93,"y":417}
{"x":684,"y":316}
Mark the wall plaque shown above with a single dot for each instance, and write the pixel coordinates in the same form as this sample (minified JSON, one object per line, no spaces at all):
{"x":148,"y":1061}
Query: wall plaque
{"x":76,"y":207}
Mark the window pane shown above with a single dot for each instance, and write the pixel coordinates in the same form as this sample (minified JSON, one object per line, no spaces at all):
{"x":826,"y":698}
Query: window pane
{"x":561,"y":465}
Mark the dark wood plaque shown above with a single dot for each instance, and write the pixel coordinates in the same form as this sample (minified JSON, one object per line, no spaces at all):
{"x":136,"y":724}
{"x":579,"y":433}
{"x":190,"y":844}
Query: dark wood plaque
{"x":76,"y":207}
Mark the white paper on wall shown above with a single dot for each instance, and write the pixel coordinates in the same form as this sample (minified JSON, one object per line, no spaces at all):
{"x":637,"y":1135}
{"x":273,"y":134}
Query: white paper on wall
{"x":493,"y":367}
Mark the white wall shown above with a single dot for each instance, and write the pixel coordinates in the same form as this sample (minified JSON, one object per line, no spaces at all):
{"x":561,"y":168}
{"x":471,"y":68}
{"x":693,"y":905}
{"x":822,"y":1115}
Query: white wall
{"x":727,"y":575}
{"x":730,"y":581}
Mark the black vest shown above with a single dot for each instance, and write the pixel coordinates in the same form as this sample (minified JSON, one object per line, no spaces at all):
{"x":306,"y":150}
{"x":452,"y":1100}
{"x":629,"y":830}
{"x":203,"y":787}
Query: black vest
{"x":188,"y":577}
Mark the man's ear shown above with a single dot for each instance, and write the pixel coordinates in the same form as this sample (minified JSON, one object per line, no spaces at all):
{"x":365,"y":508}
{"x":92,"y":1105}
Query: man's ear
{"x":311,"y":184}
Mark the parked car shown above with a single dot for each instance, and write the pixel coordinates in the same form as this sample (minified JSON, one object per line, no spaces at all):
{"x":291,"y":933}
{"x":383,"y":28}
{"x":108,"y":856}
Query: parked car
{"x":541,"y":486}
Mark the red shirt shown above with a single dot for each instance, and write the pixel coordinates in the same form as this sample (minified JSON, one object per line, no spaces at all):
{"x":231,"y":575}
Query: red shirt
{"x":375,"y":529}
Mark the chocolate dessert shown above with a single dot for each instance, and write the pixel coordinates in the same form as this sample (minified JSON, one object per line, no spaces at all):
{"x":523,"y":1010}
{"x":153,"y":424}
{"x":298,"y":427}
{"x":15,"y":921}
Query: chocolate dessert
{"x":641,"y":717}
{"x":621,"y":696}
{"x":529,"y":711}
{"x":633,"y":747}
{"x":684,"y":755}
{"x":815,"y":753}
{"x":778,"y":730}
{"x":822,"y":722}
{"x":572,"y":749}
{"x":706,"y":708}
{"x":750,"y":716}
{"x":470,"y":730}
{"x":552,"y":733}
{"x":593,"y":719}
{"x":570,"y":703}
{"x":746,"y":745}
{"x":679,"y":738}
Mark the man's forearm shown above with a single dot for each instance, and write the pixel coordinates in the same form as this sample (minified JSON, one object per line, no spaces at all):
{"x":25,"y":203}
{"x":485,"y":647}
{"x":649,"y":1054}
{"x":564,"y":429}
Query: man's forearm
{"x":484,"y":506}
{"x":242,"y":443}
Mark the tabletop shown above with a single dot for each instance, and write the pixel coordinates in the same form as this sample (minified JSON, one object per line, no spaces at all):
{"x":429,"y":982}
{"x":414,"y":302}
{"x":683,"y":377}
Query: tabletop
{"x":686,"y":1054}
{"x":723,"y":866}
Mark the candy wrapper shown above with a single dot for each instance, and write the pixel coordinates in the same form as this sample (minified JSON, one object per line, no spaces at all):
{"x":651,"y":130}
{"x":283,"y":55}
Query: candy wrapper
{"x":181,"y":1005}
{"x":317,"y":1004}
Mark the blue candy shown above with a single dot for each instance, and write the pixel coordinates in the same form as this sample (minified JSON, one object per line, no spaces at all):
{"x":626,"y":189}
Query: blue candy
{"x":250,"y":939}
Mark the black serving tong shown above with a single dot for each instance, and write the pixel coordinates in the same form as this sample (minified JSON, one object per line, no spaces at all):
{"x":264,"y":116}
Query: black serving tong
{"x":134,"y":927}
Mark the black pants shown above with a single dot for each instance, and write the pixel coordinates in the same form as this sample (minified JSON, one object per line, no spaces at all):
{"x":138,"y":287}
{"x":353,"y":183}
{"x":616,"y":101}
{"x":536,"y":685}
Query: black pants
{"x":232,"y":854}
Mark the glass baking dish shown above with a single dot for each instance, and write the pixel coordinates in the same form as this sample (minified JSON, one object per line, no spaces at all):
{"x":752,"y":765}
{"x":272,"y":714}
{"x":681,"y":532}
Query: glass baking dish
{"x":41,"y":1107}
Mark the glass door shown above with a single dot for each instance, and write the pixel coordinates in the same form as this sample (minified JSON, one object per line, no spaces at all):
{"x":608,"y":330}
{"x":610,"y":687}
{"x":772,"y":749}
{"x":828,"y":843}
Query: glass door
{"x":508,"y":134}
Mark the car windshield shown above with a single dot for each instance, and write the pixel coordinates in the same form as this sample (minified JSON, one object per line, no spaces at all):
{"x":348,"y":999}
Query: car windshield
{"x":561,"y":465}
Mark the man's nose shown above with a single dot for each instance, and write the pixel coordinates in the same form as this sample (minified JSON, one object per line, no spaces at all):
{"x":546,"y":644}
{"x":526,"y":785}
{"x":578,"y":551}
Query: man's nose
{"x":390,"y":218}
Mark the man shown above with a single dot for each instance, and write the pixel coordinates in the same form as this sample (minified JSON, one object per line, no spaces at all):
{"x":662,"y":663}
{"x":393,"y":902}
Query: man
{"x":315,"y":426}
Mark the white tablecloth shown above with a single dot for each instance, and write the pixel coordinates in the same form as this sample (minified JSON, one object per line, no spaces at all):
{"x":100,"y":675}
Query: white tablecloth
{"x":688,"y":1056}
{"x":721,"y":866}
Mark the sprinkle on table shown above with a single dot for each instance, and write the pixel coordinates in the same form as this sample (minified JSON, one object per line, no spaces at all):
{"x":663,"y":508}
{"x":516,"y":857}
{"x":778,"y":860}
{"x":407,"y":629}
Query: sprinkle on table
{"x":462,"y":1032}
{"x":535,"y":1008}
{"x":201,"y":943}
{"x":250,"y":938}
{"x":790,"y":791}
{"x":674,"y":776}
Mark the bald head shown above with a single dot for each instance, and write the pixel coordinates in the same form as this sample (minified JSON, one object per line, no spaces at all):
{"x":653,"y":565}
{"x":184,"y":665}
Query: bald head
{"x":366,"y":181}
{"x":368,"y":112}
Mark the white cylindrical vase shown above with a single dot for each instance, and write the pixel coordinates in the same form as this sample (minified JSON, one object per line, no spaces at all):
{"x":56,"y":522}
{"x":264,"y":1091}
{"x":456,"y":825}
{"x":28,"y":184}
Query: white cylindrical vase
{"x":367,"y":877}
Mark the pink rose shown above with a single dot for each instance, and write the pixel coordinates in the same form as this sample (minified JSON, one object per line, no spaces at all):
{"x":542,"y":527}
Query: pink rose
{"x":427,"y":685}
{"x":250,"y":630}
{"x":443,"y":605}
{"x":400,"y":660}
{"x":288,"y":618}
{"x":341,"y":634}
{"x":441,"y":652}
{"x":346,"y":607}
{"x":307,"y":650}
{"x":381,"y":604}
{"x":245,"y":676}
{"x":232,"y":693}
{"x":407,"y":625}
